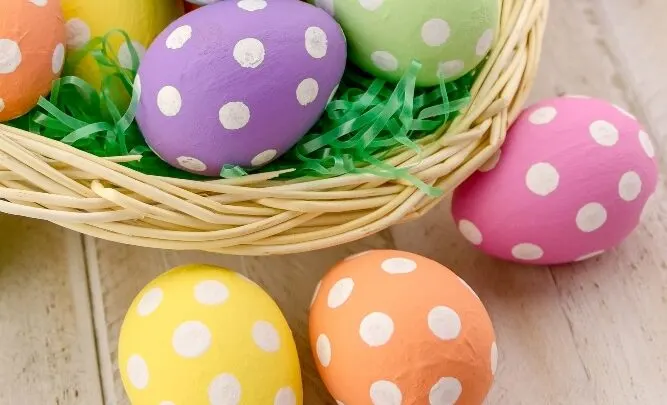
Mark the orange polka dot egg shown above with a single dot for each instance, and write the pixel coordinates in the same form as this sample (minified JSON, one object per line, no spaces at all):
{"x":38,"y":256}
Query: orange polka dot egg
{"x":32,"y":53}
{"x":202,"y":335}
{"x":395,"y":328}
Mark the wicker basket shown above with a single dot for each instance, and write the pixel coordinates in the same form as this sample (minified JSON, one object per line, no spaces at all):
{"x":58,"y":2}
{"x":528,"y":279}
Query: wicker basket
{"x":258,"y":214}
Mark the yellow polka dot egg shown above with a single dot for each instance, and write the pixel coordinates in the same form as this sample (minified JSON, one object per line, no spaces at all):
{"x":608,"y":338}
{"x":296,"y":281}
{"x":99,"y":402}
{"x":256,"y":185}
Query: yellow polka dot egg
{"x":142,"y":20}
{"x":449,"y":38}
{"x":203,"y":335}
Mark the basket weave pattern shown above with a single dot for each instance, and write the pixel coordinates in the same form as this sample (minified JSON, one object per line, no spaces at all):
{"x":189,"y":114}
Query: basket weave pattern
{"x":259,"y":214}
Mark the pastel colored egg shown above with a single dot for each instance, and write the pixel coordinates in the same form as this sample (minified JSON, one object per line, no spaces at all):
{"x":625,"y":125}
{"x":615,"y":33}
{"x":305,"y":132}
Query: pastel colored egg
{"x":142,"y":20}
{"x":32,"y":53}
{"x":392,"y":328}
{"x":203,"y":335}
{"x":571,"y":182}
{"x":449,"y":38}
{"x":238,"y":82}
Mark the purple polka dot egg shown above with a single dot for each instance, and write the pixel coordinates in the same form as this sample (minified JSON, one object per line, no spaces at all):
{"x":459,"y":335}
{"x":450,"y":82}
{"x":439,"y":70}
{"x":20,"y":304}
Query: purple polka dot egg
{"x":238,"y":82}
{"x":570,"y":182}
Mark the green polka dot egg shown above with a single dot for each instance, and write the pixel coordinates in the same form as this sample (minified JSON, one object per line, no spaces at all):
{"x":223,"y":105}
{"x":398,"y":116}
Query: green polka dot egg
{"x":449,"y":37}
{"x":202,"y":335}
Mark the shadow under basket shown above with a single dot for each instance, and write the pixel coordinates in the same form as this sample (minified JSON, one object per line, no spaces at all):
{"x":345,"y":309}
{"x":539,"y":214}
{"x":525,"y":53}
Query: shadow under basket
{"x":260,"y":214}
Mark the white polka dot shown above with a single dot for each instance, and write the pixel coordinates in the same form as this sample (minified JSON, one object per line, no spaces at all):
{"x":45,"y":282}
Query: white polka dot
{"x":225,"y":389}
{"x":191,"y":339}
{"x":39,"y":3}
{"x":150,"y":301}
{"x":10,"y":56}
{"x":630,"y":186}
{"x":591,"y":217}
{"x":326,"y":5}
{"x":323,"y":348}
{"x":190,"y":163}
{"x":542,"y":179}
{"x":435,"y":32}
{"x":604,"y":133}
{"x":125,"y":57}
{"x":179,"y":37}
{"x":624,"y":112}
{"x":264,"y":158}
{"x":2,"y":105}
{"x":265,"y":336}
{"x":78,"y":33}
{"x":444,"y":322}
{"x":307,"y":91}
{"x":252,"y":5}
{"x":527,"y":251}
{"x":58,"y":59}
{"x":445,"y":392}
{"x":466,"y":285}
{"x":317,"y":291}
{"x":285,"y":396}
{"x":386,"y":393}
{"x":316,"y":42}
{"x":169,"y":101}
{"x":234,"y":115}
{"x":249,"y":53}
{"x":371,"y":5}
{"x":340,"y":293}
{"x":399,"y":265}
{"x":589,"y":256}
{"x":211,"y":292}
{"x":451,"y":68}
{"x":470,"y":231}
{"x":543,"y":115}
{"x":376,"y":329}
{"x":647,"y":144}
{"x":484,"y":43}
{"x":137,"y":372}
{"x":492,"y":162}
{"x":384,"y":61}
{"x":494,"y":358}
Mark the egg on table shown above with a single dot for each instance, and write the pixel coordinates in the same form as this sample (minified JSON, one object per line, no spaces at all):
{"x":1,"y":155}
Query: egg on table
{"x":142,"y":20}
{"x":395,"y":328}
{"x":571,"y":182}
{"x":203,"y":335}
{"x":32,"y":53}
{"x":238,"y":82}
{"x":449,"y":38}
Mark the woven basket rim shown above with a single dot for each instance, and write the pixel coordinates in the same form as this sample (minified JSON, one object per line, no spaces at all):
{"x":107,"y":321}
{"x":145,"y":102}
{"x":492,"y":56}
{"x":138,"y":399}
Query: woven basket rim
{"x":258,"y":214}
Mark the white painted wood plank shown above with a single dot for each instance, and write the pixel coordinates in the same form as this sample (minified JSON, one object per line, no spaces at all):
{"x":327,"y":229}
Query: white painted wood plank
{"x":122,"y":271}
{"x":47,"y":354}
{"x":586,"y":334}
{"x":593,"y":333}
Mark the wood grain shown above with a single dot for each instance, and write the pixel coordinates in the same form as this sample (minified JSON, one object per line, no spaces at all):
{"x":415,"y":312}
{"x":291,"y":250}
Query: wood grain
{"x":47,"y":354}
{"x":591,"y":333}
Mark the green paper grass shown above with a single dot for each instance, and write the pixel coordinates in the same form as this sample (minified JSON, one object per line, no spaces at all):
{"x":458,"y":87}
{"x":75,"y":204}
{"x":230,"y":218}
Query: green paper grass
{"x":366,"y":120}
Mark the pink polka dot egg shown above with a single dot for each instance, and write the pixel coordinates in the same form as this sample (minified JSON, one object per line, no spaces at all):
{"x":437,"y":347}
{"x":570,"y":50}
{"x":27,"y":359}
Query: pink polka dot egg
{"x":570,"y":182}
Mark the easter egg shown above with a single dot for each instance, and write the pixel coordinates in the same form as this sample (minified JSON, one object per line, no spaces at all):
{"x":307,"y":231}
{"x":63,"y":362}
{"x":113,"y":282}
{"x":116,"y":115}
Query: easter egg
{"x":391,"y":327}
{"x":142,"y":20}
{"x":449,"y":38}
{"x":32,"y":53}
{"x":203,"y":335}
{"x":238,"y":82}
{"x":571,"y":182}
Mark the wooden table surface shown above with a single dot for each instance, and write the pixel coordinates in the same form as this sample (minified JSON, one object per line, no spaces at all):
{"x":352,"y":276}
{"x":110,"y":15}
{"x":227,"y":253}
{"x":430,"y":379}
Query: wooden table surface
{"x":592,"y":333}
